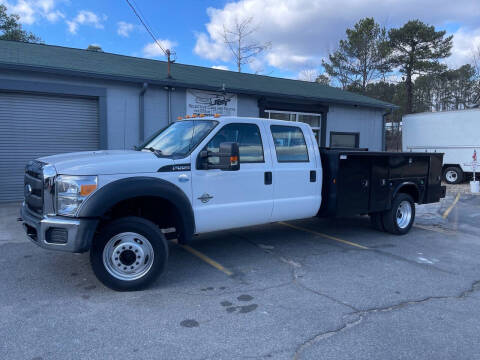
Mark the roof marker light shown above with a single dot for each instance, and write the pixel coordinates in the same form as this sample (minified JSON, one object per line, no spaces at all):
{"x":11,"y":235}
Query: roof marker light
{"x":216,"y":115}
{"x":179,"y":118}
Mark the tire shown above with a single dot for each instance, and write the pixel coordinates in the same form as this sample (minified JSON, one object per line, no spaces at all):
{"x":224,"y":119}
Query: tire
{"x":399,"y":219}
{"x":377,"y":221}
{"x":129,"y":254}
{"x":453,"y":175}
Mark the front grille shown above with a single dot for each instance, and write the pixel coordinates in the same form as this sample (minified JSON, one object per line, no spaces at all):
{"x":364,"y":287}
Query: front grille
{"x":33,"y":187}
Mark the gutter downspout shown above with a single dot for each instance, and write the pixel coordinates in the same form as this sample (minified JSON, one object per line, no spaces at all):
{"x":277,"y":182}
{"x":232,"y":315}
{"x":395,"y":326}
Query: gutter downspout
{"x":169,"y":90}
{"x":141,"y":113}
{"x":384,"y":128}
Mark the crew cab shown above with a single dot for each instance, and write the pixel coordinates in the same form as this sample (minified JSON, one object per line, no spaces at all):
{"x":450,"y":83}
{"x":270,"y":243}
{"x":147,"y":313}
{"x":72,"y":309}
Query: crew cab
{"x":206,"y":174}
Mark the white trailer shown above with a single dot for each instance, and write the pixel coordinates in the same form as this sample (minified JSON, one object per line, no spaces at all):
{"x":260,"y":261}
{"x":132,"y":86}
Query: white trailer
{"x":454,"y":133}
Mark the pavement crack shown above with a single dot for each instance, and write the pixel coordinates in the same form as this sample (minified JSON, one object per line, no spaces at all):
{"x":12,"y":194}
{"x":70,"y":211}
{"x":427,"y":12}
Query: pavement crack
{"x":358,"y":316}
{"x":327,"y":334}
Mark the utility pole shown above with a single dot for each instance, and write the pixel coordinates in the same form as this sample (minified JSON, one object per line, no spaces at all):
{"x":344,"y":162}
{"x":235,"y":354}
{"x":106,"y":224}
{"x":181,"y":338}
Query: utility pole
{"x":169,"y":63}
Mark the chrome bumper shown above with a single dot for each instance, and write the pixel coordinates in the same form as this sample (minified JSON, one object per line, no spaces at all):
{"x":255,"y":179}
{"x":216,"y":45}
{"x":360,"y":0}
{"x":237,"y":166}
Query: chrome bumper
{"x":58,"y":233}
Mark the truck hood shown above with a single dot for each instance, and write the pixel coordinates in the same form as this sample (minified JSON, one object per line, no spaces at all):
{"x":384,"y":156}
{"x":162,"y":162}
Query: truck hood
{"x":106,"y":162}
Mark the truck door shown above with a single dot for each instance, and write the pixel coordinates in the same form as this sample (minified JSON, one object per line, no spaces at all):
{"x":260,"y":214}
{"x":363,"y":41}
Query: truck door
{"x":296,"y":180}
{"x":229,"y":199}
{"x":353,"y":185}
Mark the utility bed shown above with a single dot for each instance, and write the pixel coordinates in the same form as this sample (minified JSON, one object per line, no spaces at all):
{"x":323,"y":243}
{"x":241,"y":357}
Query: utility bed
{"x":364,"y":182}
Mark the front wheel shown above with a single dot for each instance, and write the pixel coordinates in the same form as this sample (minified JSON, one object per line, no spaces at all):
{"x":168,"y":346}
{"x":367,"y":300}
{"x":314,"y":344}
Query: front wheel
{"x":129,"y":254}
{"x":399,"y":219}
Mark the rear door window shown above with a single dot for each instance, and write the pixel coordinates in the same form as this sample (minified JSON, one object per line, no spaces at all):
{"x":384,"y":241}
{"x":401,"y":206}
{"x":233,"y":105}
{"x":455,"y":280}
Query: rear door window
{"x":289,"y":143}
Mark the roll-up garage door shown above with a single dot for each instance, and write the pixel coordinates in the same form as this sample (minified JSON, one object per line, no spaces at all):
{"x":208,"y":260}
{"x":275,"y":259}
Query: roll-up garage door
{"x":32,"y":126}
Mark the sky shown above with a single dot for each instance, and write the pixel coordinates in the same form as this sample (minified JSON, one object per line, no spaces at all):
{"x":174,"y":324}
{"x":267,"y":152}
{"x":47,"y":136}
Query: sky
{"x":301,"y":32}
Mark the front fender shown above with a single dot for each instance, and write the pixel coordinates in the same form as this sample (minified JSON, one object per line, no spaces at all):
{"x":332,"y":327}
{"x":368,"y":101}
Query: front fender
{"x":112,"y":193}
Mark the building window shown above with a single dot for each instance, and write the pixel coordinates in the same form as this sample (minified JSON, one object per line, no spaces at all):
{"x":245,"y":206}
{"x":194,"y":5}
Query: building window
{"x":344,"y":140}
{"x":248,"y":138}
{"x":289,"y":143}
{"x":314,"y":120}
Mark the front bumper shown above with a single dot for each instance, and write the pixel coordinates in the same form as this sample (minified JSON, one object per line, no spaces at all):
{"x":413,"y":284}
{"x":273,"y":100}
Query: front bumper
{"x":58,"y":232}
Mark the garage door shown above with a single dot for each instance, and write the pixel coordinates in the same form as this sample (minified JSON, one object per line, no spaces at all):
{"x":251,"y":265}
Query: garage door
{"x":32,"y":126}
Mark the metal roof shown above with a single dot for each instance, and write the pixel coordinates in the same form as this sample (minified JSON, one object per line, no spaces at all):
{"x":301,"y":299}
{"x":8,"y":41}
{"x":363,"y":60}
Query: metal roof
{"x":85,"y":63}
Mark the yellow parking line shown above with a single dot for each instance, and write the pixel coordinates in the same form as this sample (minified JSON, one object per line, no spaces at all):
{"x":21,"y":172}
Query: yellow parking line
{"x":434,"y":229}
{"x":450,"y":208}
{"x":205,"y":258}
{"x":324,"y":235}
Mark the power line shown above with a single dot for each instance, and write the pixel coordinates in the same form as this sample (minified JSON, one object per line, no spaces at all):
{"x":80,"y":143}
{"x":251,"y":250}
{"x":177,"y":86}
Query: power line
{"x":147,"y":28}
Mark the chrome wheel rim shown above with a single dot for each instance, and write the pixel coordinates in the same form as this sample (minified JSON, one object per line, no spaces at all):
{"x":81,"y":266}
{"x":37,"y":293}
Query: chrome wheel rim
{"x":404,"y":214}
{"x":128,"y":256}
{"x":451,"y":176}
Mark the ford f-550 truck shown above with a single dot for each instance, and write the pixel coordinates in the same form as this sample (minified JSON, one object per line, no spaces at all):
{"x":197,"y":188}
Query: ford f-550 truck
{"x":207,"y":174}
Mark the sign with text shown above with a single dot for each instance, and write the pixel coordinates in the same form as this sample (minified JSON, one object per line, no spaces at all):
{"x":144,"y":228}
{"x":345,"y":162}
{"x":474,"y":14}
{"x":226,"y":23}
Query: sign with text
{"x":210,"y":103}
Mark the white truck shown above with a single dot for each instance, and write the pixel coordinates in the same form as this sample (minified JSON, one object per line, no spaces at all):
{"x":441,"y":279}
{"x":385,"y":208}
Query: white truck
{"x":207,"y":174}
{"x":454,"y":133}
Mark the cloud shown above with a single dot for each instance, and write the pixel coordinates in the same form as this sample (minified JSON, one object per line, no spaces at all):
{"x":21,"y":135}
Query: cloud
{"x":124,"y":29}
{"x":302,"y":32}
{"x":152,"y":50}
{"x":220,"y":67}
{"x":211,"y":48}
{"x":30,"y":11}
{"x":465,"y":43}
{"x":85,"y":17}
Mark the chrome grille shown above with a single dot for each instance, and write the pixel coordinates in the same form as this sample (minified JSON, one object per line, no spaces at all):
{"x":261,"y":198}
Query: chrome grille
{"x":33,"y":187}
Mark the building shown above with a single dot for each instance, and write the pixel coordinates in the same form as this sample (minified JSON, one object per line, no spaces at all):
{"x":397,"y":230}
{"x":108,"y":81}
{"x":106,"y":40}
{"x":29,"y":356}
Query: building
{"x":55,"y":99}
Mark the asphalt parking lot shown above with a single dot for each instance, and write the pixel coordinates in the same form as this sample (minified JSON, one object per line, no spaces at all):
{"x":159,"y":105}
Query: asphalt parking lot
{"x":310,"y":289}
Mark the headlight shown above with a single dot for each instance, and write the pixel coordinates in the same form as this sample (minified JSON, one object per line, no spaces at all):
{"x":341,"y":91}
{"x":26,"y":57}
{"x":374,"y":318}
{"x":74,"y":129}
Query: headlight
{"x":72,"y":191}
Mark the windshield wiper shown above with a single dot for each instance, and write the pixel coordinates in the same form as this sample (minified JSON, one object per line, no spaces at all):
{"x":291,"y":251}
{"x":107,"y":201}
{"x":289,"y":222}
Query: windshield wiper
{"x":157,"y":152}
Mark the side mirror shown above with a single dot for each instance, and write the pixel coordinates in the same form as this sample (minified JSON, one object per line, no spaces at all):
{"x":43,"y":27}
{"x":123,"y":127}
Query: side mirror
{"x":228,"y":155}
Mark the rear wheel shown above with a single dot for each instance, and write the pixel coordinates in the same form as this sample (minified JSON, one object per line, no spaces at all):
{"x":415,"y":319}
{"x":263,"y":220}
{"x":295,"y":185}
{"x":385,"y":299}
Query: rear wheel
{"x":129,"y":254}
{"x":399,"y":219}
{"x":453,"y":175}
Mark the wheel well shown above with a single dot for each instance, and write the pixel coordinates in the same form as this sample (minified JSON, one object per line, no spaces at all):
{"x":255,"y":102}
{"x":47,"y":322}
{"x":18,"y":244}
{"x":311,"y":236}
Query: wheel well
{"x":450,"y":165}
{"x":411,"y":190}
{"x":156,"y":209}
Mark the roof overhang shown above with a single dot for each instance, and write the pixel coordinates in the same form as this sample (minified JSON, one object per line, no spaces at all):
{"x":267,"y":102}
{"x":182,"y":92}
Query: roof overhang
{"x":171,"y":82}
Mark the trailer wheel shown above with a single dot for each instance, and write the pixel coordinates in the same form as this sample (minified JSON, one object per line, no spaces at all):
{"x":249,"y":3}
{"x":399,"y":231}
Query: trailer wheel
{"x":453,"y":175}
{"x":376,"y":220}
{"x":399,"y":219}
{"x":129,"y":254}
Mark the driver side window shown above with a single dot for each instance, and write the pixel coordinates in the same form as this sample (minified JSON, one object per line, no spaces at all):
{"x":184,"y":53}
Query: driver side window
{"x":248,"y":138}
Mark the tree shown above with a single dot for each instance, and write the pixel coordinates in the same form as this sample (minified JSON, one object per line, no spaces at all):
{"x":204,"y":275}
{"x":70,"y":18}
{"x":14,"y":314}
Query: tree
{"x":308,"y":75}
{"x":11,"y":29}
{"x":93,"y":47}
{"x":323,"y":79}
{"x":238,"y":39}
{"x":361,"y":58}
{"x":417,"y":49}
{"x":476,"y":66}
{"x":447,"y":90}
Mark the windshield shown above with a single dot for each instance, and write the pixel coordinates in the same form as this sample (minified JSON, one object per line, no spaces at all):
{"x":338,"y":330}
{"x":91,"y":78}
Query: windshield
{"x":181,"y":137}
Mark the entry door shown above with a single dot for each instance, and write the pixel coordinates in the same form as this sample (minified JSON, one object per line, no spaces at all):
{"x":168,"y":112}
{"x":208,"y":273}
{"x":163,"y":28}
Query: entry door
{"x":229,"y":199}
{"x":296,"y":182}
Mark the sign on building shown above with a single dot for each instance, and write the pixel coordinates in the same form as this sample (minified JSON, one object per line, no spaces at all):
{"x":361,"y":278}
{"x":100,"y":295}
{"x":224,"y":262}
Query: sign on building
{"x":210,"y":103}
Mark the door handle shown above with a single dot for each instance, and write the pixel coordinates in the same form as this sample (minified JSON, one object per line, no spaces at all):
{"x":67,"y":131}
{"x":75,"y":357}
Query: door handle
{"x":313,"y":176}
{"x":268,"y":178}
{"x":365,"y":183}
